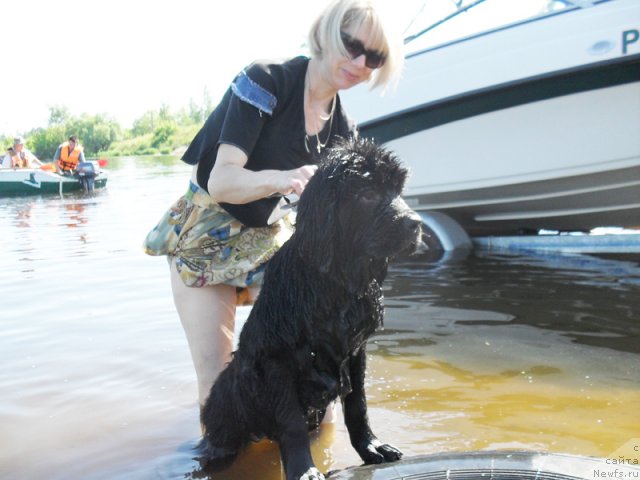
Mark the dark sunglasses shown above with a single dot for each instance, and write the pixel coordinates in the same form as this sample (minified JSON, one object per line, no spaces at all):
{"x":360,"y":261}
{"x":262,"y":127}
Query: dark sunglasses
{"x":355,"y":48}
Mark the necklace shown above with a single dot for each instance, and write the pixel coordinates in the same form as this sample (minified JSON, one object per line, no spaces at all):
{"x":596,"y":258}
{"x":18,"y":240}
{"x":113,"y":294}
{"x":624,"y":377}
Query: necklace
{"x":319,"y":144}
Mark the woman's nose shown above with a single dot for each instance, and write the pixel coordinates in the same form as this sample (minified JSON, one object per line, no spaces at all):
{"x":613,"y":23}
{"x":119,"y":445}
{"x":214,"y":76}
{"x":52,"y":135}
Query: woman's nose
{"x":360,"y":60}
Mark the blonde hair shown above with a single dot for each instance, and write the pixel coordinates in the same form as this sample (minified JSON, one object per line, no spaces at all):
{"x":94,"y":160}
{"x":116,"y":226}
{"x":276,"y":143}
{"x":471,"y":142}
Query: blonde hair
{"x":325,"y":38}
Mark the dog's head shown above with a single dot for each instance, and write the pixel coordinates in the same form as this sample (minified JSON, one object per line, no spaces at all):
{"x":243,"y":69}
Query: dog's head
{"x":351,"y":218}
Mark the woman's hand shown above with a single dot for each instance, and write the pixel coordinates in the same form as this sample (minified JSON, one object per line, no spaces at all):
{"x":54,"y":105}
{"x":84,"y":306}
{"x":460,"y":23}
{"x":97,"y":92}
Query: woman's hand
{"x":293,"y":181}
{"x":230,"y":182}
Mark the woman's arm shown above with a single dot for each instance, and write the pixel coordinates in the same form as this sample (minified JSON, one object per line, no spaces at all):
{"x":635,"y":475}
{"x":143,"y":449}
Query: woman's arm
{"x":230,"y":182}
{"x":35,"y":160}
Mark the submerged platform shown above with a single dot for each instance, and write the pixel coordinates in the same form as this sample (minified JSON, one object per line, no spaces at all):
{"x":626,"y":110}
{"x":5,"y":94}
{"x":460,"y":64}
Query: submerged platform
{"x":445,"y":238}
{"x":492,"y":465}
{"x":587,"y":243}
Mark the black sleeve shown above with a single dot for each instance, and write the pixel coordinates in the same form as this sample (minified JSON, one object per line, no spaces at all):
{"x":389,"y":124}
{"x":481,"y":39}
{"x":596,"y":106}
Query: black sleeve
{"x":242,"y":125}
{"x":245,"y":116}
{"x":235,"y":122}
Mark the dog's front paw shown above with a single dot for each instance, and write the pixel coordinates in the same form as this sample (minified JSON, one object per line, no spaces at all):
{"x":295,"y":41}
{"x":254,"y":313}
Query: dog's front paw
{"x":377,"y":452}
{"x":312,"y":474}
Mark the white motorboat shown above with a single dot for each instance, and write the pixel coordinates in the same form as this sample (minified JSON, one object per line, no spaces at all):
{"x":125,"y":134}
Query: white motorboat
{"x":530,"y":125}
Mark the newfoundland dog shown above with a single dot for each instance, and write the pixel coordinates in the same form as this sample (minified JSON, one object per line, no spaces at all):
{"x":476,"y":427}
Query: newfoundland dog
{"x":304,"y":342}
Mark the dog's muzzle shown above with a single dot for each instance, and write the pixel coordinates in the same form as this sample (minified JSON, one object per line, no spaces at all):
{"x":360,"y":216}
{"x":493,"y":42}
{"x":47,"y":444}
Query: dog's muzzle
{"x":411,"y":225}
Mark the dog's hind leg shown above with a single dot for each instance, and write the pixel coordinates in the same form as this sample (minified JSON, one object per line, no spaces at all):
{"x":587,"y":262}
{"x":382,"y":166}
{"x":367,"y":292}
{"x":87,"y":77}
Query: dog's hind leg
{"x":224,"y":435}
{"x":212,"y":458}
{"x":370,"y":449}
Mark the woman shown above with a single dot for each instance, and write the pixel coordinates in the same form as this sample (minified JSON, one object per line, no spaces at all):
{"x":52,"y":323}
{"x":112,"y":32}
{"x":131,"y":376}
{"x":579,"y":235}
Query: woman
{"x":260,"y":143}
{"x":19,"y":156}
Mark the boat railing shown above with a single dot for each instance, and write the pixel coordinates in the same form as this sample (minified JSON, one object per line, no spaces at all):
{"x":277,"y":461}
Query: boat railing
{"x":554,"y":8}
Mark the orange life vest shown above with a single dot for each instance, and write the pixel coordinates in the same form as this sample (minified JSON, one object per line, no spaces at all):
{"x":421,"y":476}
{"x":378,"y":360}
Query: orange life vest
{"x":69,"y":161}
{"x":21,"y":161}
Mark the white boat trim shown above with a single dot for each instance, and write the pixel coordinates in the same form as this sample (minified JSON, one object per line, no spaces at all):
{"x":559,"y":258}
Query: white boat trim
{"x":608,"y":73}
{"x":525,"y":198}
{"x":555,"y":213}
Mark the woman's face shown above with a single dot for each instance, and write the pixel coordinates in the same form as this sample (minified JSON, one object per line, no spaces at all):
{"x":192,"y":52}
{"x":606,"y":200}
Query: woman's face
{"x":344,"y":72}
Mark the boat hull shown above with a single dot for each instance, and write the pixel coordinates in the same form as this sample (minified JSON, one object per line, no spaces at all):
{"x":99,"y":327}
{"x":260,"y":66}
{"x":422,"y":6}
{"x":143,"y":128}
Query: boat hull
{"x":27,"y":181}
{"x":529,"y":127}
{"x":568,"y":163}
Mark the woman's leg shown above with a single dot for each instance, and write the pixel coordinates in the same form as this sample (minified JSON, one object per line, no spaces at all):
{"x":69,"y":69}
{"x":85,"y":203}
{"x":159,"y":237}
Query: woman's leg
{"x":207,"y":315}
{"x":208,"y":318}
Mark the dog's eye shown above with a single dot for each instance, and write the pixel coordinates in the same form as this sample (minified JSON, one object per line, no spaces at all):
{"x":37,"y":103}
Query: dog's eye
{"x":369,"y":196}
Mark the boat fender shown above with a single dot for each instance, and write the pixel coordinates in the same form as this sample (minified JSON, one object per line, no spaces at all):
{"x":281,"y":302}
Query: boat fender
{"x":441,"y":232}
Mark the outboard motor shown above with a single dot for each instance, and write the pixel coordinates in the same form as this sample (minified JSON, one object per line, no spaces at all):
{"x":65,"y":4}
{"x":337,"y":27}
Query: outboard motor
{"x":86,"y":173}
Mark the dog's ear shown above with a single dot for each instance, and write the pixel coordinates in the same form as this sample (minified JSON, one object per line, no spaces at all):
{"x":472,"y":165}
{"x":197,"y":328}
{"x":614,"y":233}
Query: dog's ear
{"x":315,"y":221}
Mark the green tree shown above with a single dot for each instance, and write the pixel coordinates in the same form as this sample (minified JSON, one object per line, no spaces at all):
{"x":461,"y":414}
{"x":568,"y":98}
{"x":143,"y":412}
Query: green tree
{"x":58,"y":115}
{"x":5,"y":142}
{"x":44,"y":141}
{"x":164,"y":114}
{"x":162,"y":135}
{"x":208,"y":104}
{"x":195,"y":114}
{"x":95,"y":132}
{"x":145,"y":124}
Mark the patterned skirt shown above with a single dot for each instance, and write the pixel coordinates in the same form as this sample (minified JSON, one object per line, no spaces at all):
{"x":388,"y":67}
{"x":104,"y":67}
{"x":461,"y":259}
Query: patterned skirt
{"x":210,"y":246}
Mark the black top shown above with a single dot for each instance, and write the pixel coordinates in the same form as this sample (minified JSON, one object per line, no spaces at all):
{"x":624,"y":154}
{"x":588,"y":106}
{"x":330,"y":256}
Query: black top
{"x":262,"y":113}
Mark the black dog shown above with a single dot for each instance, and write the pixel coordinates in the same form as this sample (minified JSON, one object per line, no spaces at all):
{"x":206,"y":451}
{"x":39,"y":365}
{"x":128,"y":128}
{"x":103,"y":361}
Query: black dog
{"x":304,"y":342}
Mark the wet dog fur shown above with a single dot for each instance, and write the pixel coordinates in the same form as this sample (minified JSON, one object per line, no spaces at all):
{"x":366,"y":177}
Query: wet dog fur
{"x":303,"y":344}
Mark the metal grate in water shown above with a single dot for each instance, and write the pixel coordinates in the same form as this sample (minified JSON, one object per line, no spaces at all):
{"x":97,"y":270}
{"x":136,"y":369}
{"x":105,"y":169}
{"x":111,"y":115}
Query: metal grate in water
{"x":486,"y":465}
{"x":489,"y":474}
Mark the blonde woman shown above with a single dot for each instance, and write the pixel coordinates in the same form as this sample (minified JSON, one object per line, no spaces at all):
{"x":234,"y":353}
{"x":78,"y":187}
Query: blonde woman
{"x":261,"y":142}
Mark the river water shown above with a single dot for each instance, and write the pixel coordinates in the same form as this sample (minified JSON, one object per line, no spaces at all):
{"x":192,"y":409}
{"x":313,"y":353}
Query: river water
{"x":493,"y":351}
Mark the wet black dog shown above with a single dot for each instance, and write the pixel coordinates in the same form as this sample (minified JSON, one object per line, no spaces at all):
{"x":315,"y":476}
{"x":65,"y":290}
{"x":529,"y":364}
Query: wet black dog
{"x":304,"y":342}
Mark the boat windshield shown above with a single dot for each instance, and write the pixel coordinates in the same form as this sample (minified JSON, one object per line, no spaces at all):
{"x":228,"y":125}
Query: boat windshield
{"x":436,"y":22}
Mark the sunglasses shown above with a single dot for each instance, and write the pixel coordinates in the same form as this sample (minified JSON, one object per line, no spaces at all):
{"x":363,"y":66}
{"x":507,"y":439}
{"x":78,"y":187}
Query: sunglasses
{"x":355,"y":48}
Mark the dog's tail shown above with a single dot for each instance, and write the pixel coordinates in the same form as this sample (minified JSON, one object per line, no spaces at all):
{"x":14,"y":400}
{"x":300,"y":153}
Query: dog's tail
{"x":212,"y":458}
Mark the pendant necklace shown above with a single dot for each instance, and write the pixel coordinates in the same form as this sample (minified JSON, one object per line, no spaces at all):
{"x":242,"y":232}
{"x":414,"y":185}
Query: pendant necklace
{"x":319,"y":144}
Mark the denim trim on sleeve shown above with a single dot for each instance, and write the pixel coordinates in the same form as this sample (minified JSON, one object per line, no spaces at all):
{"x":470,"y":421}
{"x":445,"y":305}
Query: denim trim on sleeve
{"x":249,"y":91}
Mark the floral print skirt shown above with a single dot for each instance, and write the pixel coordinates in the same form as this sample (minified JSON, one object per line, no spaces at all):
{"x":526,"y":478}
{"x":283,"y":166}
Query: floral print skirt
{"x":210,"y":246}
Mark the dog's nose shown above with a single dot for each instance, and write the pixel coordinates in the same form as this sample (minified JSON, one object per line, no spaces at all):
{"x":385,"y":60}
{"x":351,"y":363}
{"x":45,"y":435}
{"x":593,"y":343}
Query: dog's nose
{"x":411,"y":221}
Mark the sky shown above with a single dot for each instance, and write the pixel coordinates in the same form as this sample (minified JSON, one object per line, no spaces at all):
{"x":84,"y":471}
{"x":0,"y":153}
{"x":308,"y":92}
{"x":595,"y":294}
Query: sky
{"x":123,"y":58}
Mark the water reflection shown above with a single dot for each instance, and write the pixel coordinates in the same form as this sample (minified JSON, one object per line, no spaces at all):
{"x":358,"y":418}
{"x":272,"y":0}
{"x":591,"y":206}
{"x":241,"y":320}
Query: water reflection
{"x":23,"y":214}
{"x":520,"y":345}
{"x":489,"y":351}
{"x":589,"y":299}
{"x":73,"y":215}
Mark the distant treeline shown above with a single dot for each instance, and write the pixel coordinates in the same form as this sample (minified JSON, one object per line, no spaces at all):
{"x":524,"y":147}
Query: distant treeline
{"x":156,"y":132}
